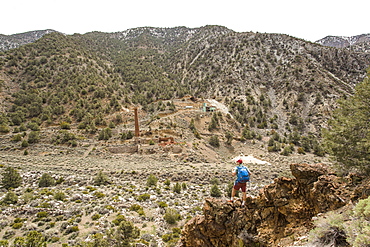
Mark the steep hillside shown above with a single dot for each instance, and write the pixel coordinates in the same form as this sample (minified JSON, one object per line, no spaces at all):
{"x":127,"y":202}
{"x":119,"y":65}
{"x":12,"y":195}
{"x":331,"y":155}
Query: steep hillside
{"x":267,"y":82}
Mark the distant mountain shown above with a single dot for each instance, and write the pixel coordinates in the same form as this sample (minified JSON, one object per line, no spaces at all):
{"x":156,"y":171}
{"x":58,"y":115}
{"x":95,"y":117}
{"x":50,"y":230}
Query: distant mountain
{"x":15,"y":40}
{"x":344,"y":42}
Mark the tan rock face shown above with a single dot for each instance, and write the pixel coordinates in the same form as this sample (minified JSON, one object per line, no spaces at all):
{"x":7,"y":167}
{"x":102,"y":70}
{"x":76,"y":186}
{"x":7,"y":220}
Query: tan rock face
{"x":282,"y":209}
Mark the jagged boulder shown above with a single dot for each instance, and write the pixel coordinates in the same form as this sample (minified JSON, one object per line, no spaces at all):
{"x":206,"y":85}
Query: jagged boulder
{"x":282,"y":209}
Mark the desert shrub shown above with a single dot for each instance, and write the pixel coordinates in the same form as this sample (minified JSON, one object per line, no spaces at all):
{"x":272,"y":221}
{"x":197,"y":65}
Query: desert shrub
{"x":72,"y":229}
{"x":17,"y":225}
{"x":215,"y":180}
{"x":17,"y":138}
{"x":35,"y":239}
{"x":126,"y":232}
{"x":18,"y":220}
{"x":24,"y":144}
{"x":171,"y":216}
{"x":143,"y":197}
{"x":42,"y":214}
{"x":11,"y":178}
{"x":214,"y":141}
{"x":274,"y":146}
{"x":4,"y":243}
{"x":34,"y":137}
{"x":101,"y":179}
{"x":229,"y":189}
{"x":135,"y":207}
{"x":162,"y":204}
{"x":334,"y":230}
{"x":99,"y":194}
{"x":105,"y":134}
{"x":65,"y":125}
{"x":27,"y":197}
{"x":152,"y":180}
{"x":300,"y":150}
{"x":46,"y":180}
{"x":95,"y":216}
{"x":10,"y":198}
{"x":118,"y":219}
{"x":4,"y":128}
{"x":288,"y":149}
{"x":167,"y":182}
{"x":215,"y":191}
{"x":172,"y":238}
{"x":59,"y":196}
{"x":359,"y":230}
{"x":329,"y":231}
{"x":177,"y":188}
{"x":184,"y":186}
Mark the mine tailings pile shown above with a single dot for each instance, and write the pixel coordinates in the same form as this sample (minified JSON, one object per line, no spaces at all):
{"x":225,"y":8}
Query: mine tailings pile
{"x":282,"y":211}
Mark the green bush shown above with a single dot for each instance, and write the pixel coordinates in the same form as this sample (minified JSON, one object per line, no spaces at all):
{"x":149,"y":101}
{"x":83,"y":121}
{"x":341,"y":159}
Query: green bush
{"x":101,"y":179}
{"x":96,"y":217}
{"x":17,"y":225}
{"x":214,"y":141}
{"x":135,"y":207}
{"x":215,"y":191}
{"x":33,"y":137}
{"x":152,"y":180}
{"x":42,"y":214}
{"x":4,"y":128}
{"x":333,"y":229}
{"x":171,"y":216}
{"x":59,"y":196}
{"x":11,"y":178}
{"x":17,"y":138}
{"x":177,"y":188}
{"x":105,"y":134}
{"x":167,"y":182}
{"x":65,"y":125}
{"x":46,"y":180}
{"x":4,"y":243}
{"x":10,"y":198}
{"x":119,"y":219}
{"x":72,"y":229}
{"x":143,"y":197}
{"x":99,"y":194}
{"x":162,"y":204}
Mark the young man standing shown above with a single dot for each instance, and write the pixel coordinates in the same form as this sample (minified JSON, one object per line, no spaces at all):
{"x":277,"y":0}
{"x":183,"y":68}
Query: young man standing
{"x":242,"y":173}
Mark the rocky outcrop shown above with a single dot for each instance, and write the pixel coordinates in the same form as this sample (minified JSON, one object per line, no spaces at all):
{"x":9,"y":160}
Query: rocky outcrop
{"x":283,"y":210}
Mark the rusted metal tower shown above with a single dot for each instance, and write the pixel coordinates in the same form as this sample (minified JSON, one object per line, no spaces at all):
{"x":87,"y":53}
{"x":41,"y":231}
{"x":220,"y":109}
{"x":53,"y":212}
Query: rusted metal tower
{"x":137,"y":131}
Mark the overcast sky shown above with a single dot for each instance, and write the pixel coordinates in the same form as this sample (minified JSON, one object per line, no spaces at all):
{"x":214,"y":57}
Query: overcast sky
{"x":309,"y":20}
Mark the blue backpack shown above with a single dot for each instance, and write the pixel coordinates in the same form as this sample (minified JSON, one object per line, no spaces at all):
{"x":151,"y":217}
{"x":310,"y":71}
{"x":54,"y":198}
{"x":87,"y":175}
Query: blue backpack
{"x":243,"y":174}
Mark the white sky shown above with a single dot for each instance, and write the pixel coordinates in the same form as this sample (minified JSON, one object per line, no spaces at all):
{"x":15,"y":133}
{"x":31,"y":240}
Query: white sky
{"x":310,"y":20}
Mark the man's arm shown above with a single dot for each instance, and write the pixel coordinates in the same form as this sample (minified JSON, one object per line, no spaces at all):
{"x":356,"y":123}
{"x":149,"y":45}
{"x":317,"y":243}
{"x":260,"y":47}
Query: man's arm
{"x":234,"y":171}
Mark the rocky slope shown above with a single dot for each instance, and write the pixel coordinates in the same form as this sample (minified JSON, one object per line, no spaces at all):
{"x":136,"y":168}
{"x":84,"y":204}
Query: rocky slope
{"x":279,"y":215}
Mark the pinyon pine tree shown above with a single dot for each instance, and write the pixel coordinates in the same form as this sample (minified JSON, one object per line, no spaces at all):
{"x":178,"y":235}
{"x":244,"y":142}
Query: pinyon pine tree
{"x":11,"y":178}
{"x":348,"y":133}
